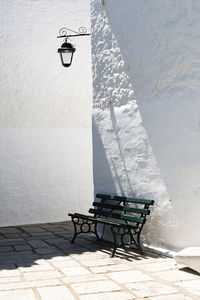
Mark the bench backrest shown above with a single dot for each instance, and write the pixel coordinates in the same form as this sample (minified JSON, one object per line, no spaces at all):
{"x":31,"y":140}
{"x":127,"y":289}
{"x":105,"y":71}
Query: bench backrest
{"x":128,"y":210}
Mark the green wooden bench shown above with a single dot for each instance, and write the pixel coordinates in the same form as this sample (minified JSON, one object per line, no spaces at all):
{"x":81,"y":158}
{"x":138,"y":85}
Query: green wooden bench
{"x":125,"y":217}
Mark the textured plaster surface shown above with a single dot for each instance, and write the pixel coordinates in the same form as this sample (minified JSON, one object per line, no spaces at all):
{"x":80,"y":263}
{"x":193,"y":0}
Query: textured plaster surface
{"x":45,"y":174}
{"x":146,"y":111}
{"x":45,"y":114}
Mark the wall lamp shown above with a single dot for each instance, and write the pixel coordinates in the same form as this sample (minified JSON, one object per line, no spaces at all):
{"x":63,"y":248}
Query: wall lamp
{"x":67,"y":50}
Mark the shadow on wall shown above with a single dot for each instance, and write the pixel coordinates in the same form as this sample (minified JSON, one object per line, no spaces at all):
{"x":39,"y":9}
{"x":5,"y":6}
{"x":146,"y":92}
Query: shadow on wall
{"x":151,"y":148}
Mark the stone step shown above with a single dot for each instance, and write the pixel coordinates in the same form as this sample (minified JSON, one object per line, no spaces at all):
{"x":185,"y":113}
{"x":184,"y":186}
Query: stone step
{"x":189,"y":257}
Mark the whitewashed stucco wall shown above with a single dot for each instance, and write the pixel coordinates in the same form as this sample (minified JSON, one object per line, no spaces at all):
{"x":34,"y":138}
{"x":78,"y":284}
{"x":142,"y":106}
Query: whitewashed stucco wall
{"x":146,"y":117}
{"x":45,"y":113}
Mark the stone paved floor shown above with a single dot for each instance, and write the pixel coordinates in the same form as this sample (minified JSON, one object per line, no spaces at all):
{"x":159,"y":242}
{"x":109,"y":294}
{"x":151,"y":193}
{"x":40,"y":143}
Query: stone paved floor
{"x":38,"y":262}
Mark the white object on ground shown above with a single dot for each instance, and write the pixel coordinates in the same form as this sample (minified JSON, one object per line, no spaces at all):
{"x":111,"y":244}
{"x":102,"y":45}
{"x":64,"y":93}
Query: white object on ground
{"x":189,"y":257}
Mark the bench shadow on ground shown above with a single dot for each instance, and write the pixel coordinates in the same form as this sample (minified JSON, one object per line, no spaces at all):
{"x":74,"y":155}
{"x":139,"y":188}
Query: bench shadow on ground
{"x":27,"y":246}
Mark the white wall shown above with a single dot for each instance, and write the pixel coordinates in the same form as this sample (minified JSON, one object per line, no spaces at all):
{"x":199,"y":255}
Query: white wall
{"x":45,"y":113}
{"x":146,"y":121}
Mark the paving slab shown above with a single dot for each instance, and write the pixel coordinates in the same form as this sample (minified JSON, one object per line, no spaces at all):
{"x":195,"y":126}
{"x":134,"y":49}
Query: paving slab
{"x":48,"y":250}
{"x":7,"y":266}
{"x":150,"y":288}
{"x":95,"y":287}
{"x":29,"y":276}
{"x":36,"y":243}
{"x":10,"y":279}
{"x":98,"y":262}
{"x":15,"y":235}
{"x":110,"y":268}
{"x":22,"y":247}
{"x":129,"y":276}
{"x":90,"y":255}
{"x":106,"y":296}
{"x":10,"y":230}
{"x":17,"y":295}
{"x":74,"y":271}
{"x":39,"y":265}
{"x":149,"y":259}
{"x":8,"y":273}
{"x":84,"y":278}
{"x":33,"y":229}
{"x":29,"y":284}
{"x":159,"y":266}
{"x":55,"y":293}
{"x":40,"y":235}
{"x":171,"y":297}
{"x":57,"y":258}
{"x":192,"y":286}
{"x":56,"y":240}
{"x":6,"y":249}
{"x":65,"y":263}
{"x":19,"y":256}
{"x":176,"y":275}
{"x":16,"y":241}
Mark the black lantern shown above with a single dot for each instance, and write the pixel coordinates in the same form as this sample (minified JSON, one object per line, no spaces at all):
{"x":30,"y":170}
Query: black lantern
{"x":67,"y":49}
{"x":66,"y":53}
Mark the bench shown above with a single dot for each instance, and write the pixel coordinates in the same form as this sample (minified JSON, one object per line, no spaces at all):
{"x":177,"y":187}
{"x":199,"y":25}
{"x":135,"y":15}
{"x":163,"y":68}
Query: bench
{"x":125,"y":217}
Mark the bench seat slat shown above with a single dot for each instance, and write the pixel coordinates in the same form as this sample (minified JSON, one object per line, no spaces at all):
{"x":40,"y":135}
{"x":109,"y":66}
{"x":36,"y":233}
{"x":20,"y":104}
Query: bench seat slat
{"x":117,"y":216}
{"x":114,"y":222}
{"x":79,"y":215}
{"x":104,"y":196}
{"x":127,"y":199}
{"x":102,"y":220}
{"x":123,"y":208}
{"x":140,"y":201}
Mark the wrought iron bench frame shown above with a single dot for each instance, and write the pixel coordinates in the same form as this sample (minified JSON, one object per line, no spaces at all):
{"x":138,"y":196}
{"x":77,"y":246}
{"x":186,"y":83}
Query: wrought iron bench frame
{"x":125,"y":217}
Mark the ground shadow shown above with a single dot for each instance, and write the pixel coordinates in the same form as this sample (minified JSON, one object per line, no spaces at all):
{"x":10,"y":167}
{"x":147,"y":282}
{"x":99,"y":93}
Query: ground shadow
{"x":52,"y":241}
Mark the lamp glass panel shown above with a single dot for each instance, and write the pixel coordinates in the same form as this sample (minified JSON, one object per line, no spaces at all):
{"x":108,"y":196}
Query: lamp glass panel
{"x":67,"y":57}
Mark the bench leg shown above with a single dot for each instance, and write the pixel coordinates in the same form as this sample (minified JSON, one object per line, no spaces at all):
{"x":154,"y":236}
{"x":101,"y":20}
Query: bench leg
{"x":75,"y":232}
{"x":134,"y":239}
{"x":82,"y":225}
{"x":115,"y":242}
{"x":138,"y":243}
{"x":95,"y":232}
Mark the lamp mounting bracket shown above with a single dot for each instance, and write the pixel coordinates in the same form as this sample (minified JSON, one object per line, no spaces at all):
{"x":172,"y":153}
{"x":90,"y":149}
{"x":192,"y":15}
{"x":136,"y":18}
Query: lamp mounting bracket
{"x":66,"y":32}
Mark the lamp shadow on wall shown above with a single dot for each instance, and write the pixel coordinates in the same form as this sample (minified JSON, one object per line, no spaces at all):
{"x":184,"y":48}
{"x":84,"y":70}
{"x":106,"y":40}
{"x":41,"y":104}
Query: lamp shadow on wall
{"x":101,"y":168}
{"x":114,"y":123}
